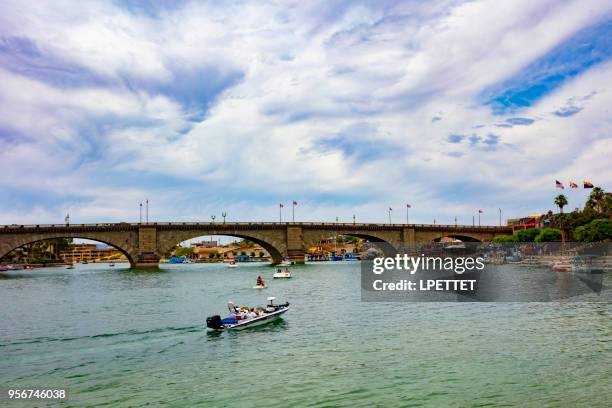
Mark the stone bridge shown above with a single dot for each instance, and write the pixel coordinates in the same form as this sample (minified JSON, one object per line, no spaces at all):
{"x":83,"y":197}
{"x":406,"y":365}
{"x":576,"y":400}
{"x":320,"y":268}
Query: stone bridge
{"x":145,"y":244}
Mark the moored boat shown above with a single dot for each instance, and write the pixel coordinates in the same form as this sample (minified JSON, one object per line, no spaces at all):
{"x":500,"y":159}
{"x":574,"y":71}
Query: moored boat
{"x":243,"y":317}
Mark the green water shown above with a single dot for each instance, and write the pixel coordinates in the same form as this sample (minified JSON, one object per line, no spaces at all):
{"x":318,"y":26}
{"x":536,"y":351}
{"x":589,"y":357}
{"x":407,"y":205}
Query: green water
{"x":123,"y":338}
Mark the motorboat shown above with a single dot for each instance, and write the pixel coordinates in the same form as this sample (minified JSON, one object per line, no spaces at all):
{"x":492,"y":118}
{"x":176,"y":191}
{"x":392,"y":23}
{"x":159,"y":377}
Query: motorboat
{"x":244,"y":317}
{"x":232,"y":264}
{"x":112,"y":265}
{"x":71,"y":266}
{"x":282,"y":273}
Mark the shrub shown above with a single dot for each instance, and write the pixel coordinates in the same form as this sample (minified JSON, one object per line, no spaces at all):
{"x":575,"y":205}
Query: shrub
{"x":548,"y":235}
{"x":508,"y":238}
{"x":596,"y":230}
{"x":527,"y":235}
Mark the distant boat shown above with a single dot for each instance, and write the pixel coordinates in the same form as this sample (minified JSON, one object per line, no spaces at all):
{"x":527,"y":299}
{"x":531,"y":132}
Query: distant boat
{"x":282,"y":274}
{"x":71,"y":266}
{"x":286,"y":262}
{"x":232,"y":264}
{"x":84,"y":262}
{"x":111,"y":265}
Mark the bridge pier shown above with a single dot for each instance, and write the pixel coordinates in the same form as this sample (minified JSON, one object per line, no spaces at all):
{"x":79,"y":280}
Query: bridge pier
{"x":147,"y":256}
{"x":295,"y":244}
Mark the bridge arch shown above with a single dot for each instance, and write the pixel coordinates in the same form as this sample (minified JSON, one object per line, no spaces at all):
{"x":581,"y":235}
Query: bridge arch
{"x":461,"y":237}
{"x":383,"y":242}
{"x":275,"y":246}
{"x":124,"y":247}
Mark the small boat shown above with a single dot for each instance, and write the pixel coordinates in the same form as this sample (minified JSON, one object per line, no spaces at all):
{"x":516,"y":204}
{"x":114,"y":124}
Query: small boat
{"x":240,"y":320}
{"x":232,"y":264}
{"x":70,"y":266}
{"x":282,"y":273}
{"x":286,"y":262}
{"x":84,"y":262}
{"x":112,"y":265}
{"x":562,"y":267}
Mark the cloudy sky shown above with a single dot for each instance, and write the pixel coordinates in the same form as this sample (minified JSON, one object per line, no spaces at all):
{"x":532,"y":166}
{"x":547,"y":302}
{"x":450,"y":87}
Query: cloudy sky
{"x":346,"y":107}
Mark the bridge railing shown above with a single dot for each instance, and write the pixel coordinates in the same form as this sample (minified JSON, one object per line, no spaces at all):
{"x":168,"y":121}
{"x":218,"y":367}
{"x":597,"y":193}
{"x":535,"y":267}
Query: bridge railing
{"x":229,"y":224}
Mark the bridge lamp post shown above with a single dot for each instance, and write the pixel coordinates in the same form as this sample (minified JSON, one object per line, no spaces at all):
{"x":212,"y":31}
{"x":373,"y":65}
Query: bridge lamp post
{"x":212,"y":217}
{"x":390,"y":209}
{"x":500,"y":218}
{"x":455,"y":222}
{"x":140,"y":219}
{"x":353,"y":219}
{"x":224,"y":214}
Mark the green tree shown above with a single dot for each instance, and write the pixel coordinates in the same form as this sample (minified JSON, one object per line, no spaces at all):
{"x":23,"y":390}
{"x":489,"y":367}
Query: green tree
{"x":548,"y":235}
{"x":594,"y":231}
{"x":506,"y":238}
{"x":596,"y":199}
{"x":184,"y":252}
{"x":561,"y":201}
{"x":527,"y":235}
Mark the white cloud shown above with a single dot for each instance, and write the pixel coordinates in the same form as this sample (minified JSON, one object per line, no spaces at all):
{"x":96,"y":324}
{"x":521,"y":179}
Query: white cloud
{"x":307,"y":77}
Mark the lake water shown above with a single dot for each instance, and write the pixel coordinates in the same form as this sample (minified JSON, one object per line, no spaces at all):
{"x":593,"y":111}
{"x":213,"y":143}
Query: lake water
{"x":127,"y":338}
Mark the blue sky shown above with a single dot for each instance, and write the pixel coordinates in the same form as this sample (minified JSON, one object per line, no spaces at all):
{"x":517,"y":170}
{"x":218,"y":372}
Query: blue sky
{"x":346,"y":107}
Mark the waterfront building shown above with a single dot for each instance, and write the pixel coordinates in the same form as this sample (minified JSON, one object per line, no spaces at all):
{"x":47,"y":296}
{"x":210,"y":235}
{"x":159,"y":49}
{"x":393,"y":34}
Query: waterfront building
{"x":90,"y":253}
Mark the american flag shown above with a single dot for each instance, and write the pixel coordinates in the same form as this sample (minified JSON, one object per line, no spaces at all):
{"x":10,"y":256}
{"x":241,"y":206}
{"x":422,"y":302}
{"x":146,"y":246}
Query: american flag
{"x":295,"y":203}
{"x":390,"y":209}
{"x":408,"y":206}
{"x":573,"y":185}
{"x":480,"y":211}
{"x":558,"y":184}
{"x":281,"y":205}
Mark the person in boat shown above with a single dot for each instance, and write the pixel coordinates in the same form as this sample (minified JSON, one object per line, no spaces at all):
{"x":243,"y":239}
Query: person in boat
{"x":260,"y":281}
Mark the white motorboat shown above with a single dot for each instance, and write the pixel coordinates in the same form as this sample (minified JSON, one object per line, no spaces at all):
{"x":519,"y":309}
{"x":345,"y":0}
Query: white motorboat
{"x":286,"y":262}
{"x":232,"y":264}
{"x":282,"y":273}
{"x":239,"y":319}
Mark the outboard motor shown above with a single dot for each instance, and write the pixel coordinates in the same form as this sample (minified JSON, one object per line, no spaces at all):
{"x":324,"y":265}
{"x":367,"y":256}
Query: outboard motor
{"x":214,"y":322}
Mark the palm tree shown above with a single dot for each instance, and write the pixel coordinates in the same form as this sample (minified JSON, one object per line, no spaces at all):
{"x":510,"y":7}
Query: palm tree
{"x":561,"y":201}
{"x":596,"y":199}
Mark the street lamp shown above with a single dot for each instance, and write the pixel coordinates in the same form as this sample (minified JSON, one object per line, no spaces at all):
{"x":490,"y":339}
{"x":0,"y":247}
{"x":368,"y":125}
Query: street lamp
{"x":500,"y":218}
{"x":455,"y":222}
{"x":212,"y":217}
{"x":390,"y":209}
{"x":353,"y":219}
{"x":140,"y":222}
{"x":224,"y":214}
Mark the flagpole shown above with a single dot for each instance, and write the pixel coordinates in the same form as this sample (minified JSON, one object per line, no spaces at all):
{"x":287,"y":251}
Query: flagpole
{"x":280,"y":213}
{"x":479,"y":218}
{"x":293,"y":212}
{"x":389,"y":215}
{"x":407,"y":214}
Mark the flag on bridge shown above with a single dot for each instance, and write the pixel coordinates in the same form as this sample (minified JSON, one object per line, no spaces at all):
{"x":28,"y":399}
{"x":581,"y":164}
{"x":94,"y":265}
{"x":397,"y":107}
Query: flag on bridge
{"x":480,"y":211}
{"x":281,"y":205}
{"x":408,"y":206}
{"x":390,"y":209}
{"x":573,"y":185}
{"x":558,"y":184}
{"x":588,"y":184}
{"x":295,"y":203}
